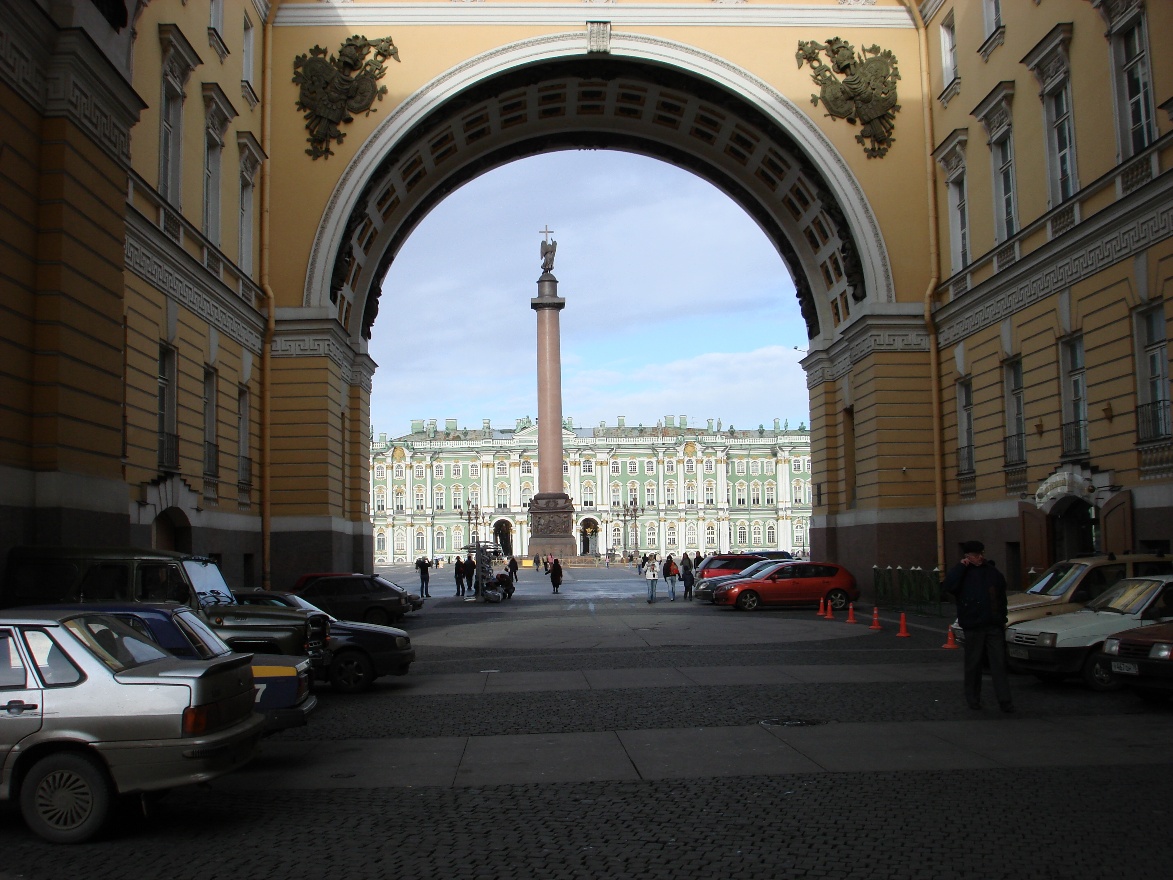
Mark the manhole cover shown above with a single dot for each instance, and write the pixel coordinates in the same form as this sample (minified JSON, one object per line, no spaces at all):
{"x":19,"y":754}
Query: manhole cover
{"x":790,"y":722}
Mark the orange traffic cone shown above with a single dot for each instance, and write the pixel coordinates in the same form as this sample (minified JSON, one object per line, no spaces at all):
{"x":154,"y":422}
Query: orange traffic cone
{"x":851,"y":614}
{"x":875,"y":618}
{"x":830,"y":611}
{"x":950,"y":641}
{"x":822,"y":608}
{"x":904,"y":633}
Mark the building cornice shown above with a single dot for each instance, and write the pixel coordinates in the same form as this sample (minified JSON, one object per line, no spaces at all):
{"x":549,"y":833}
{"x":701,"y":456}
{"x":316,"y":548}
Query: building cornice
{"x":354,"y":15}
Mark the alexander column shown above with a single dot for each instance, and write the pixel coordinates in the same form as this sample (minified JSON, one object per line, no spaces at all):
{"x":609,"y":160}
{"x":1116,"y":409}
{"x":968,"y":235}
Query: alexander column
{"x":551,"y":513}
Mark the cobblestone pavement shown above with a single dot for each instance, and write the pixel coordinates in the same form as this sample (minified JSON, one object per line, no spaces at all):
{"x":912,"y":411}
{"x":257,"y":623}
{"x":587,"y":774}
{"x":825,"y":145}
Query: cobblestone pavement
{"x":1108,"y":816}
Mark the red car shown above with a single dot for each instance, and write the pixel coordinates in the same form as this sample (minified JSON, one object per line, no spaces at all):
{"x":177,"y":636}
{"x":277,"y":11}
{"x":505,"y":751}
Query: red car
{"x":721,"y":564}
{"x":803,"y":583}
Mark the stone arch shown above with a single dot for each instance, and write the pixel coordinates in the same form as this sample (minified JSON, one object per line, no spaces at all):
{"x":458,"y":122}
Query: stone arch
{"x":645,"y":95}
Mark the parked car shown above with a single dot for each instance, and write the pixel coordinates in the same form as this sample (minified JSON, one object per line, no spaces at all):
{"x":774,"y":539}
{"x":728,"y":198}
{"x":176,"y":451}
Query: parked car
{"x":718,"y":564}
{"x":1142,"y":658}
{"x":706,"y":586}
{"x":94,"y":710}
{"x":340,"y":593}
{"x":42,"y":575}
{"x":771,"y":554}
{"x":1069,"y":585}
{"x":282,"y":682}
{"x":793,"y":583}
{"x":360,"y":652}
{"x":1055,"y":648}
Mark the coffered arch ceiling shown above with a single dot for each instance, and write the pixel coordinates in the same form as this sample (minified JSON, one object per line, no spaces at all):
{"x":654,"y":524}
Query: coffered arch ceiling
{"x":809,"y":206}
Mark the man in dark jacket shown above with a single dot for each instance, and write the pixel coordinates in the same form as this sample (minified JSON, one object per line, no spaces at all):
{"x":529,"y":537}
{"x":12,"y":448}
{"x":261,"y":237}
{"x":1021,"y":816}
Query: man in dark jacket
{"x":980,"y":592}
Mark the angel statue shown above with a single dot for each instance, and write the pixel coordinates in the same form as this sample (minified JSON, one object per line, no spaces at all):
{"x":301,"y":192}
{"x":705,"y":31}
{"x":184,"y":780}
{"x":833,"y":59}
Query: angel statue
{"x":548,"y":250}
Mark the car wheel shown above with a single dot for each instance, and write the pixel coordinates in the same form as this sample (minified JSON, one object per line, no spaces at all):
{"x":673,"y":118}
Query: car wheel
{"x":748,"y":600}
{"x":66,"y":798}
{"x":1097,"y":674}
{"x":351,"y":672}
{"x":837,"y":599}
{"x":377,"y":616}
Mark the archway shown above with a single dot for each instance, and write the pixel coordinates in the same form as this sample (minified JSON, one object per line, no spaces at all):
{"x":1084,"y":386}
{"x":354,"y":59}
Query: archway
{"x":1074,"y":529}
{"x":171,"y":530}
{"x":588,"y":537}
{"x":503,"y":536}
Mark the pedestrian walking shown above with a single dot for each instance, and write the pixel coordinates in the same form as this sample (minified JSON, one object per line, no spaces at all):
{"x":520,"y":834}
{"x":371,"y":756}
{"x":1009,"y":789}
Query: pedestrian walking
{"x":513,"y":568}
{"x":459,"y":567}
{"x":555,"y":574}
{"x":651,"y":572}
{"x":671,"y":573}
{"x":686,"y":576}
{"x":696,"y":563}
{"x":548,"y":562}
{"x":470,"y":576}
{"x":424,"y":564}
{"x":980,"y":592}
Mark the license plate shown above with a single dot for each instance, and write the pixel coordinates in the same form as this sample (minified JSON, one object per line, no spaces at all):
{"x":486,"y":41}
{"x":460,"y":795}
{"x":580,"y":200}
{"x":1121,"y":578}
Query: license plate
{"x":1124,"y":668}
{"x":1018,"y":653}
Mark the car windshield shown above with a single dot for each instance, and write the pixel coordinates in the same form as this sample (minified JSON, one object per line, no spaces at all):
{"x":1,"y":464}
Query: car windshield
{"x":383,"y":584}
{"x":1056,"y":579}
{"x":113,"y":642}
{"x":1127,"y":597}
{"x":208,"y":582}
{"x":206,"y":643}
{"x":761,"y":568}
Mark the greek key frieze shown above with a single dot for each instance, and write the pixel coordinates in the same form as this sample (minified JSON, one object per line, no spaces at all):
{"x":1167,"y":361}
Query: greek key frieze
{"x":145,"y":261}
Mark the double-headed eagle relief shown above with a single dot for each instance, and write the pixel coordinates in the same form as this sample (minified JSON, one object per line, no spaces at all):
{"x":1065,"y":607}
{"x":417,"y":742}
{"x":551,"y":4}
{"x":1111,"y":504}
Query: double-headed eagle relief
{"x":333,"y":89}
{"x":866,"y":93}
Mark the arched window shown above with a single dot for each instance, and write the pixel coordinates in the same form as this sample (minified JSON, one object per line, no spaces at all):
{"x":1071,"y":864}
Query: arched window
{"x":419,"y":497}
{"x":438,"y":497}
{"x":400,"y":541}
{"x":768,"y":467}
{"x":419,"y":471}
{"x":420,"y":541}
{"x":757,"y":534}
{"x":399,"y":472}
{"x":527,"y":468}
{"x":755,"y":467}
{"x":616,"y":537}
{"x":710,"y":535}
{"x":588,"y":495}
{"x":741,"y":494}
{"x":457,"y":537}
{"x":614,"y":467}
{"x":690,"y":535}
{"x":633,"y":493}
{"x":690,"y":492}
{"x":741,"y":535}
{"x":438,"y":471}
{"x":650,"y":495}
{"x":649,"y":466}
{"x":771,"y":535}
{"x":690,"y":465}
{"x":632,"y":466}
{"x":474,"y":497}
{"x":457,"y":469}
{"x":670,"y":535}
{"x":588,"y":466}
{"x":770,"y":492}
{"x":670,"y":493}
{"x":755,"y":493}
{"x":380,"y":543}
{"x":653,"y":536}
{"x":458,"y":497}
{"x":710,"y":492}
{"x":502,"y":495}
{"x":380,"y":499}
{"x":440,"y":542}
{"x":399,"y":500}
{"x":527,"y":495}
{"x":380,"y":472}
{"x":565,"y":468}
{"x":474,"y":470}
{"x":710,"y":466}
{"x":502,"y":469}
{"x":616,"y":495}
{"x":739,"y":467}
{"x":796,"y":491}
{"x":669,"y":465}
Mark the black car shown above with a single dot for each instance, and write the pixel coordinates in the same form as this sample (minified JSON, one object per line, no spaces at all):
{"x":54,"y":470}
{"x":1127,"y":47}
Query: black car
{"x":360,"y":652}
{"x":367,"y":597}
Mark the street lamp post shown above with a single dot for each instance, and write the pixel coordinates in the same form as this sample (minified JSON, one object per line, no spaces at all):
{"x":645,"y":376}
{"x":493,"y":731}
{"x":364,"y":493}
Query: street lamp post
{"x":627,"y":513}
{"x":477,"y":519}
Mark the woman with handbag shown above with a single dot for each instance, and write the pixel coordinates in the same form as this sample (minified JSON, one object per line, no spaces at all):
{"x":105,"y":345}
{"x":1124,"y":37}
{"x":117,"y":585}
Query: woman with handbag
{"x":651,"y":572}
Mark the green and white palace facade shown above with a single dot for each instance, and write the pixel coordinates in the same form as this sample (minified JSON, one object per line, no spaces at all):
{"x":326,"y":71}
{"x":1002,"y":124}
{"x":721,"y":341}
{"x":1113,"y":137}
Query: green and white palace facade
{"x":667,"y":488}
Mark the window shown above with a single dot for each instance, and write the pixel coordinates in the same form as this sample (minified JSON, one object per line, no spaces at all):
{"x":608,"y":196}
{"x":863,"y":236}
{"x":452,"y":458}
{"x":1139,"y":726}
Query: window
{"x":419,"y":497}
{"x":741,"y":494}
{"x":565,"y":468}
{"x":501,"y":469}
{"x":457,"y":470}
{"x":633,"y":466}
{"x":527,"y":494}
{"x":474,"y":497}
{"x":244,"y":471}
{"x":771,"y":535}
{"x":965,"y":426}
{"x":653,"y":535}
{"x":768,"y":467}
{"x":710,"y":466}
{"x":400,"y":541}
{"x":650,"y":466}
{"x":1003,"y":151}
{"x":690,"y":493}
{"x":755,"y":467}
{"x":710,"y":535}
{"x":616,"y":536}
{"x":399,"y":472}
{"x":1153,"y":413}
{"x":669,"y":465}
{"x":457,"y":497}
{"x":168,"y":441}
{"x":502,"y":496}
{"x":614,"y":467}
{"x":381,"y":543}
{"x":959,"y":222}
{"x":739,"y":467}
{"x":770,"y":493}
{"x":419,"y":471}
{"x":211,"y":447}
{"x":796,"y":491}
{"x":690,"y":466}
{"x":616,"y":495}
{"x":1133,"y":87}
{"x":755,"y":494}
{"x":1015,"y":414}
{"x":649,"y":495}
{"x":710,"y":492}
{"x":212,"y":149}
{"x":588,"y":495}
{"x":399,"y":500}
{"x":948,"y":50}
{"x":380,"y":499}
{"x":992,"y":10}
{"x":1074,"y":397}
{"x":632,"y":494}
{"x":438,"y":498}
{"x":690,"y":535}
{"x":250,"y":162}
{"x":670,"y":535}
{"x":756,"y":531}
{"x":248,"y":53}
{"x":440,"y":542}
{"x":742,"y":536}
{"x":1060,"y":145}
{"x":474,"y":470}
{"x":420,"y":541}
{"x":380,"y":472}
{"x":670,"y":493}
{"x":588,"y":466}
{"x":438,"y":471}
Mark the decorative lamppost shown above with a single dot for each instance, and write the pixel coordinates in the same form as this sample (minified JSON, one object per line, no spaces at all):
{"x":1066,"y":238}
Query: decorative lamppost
{"x":627,"y":513}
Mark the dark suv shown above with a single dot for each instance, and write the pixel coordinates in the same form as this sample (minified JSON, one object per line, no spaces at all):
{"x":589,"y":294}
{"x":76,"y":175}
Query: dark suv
{"x":366,"y":597}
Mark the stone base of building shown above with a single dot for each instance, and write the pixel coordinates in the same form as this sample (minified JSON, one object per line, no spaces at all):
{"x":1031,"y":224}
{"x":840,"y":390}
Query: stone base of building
{"x":551,"y":516}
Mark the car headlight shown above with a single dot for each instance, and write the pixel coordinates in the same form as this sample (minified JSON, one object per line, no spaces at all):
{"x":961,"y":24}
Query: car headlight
{"x":1046,"y":640}
{"x":1111,"y":646}
{"x":1161,"y":651}
{"x":402,"y":642}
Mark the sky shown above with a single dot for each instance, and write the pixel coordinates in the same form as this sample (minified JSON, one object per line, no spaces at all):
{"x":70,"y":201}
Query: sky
{"x":676,"y":303}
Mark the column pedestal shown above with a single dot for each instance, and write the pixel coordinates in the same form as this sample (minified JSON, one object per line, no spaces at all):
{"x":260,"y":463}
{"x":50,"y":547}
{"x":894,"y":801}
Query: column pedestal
{"x":551,"y":524}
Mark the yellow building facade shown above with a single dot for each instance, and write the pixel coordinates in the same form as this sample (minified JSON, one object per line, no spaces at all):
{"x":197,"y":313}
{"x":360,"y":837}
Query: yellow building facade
{"x":201,"y":200}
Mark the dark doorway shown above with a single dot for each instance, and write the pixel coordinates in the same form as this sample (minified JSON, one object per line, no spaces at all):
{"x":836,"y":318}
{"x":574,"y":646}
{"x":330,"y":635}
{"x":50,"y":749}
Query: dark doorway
{"x":503,"y":536}
{"x":172,"y":531}
{"x":588,"y":538}
{"x":1074,"y":528}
